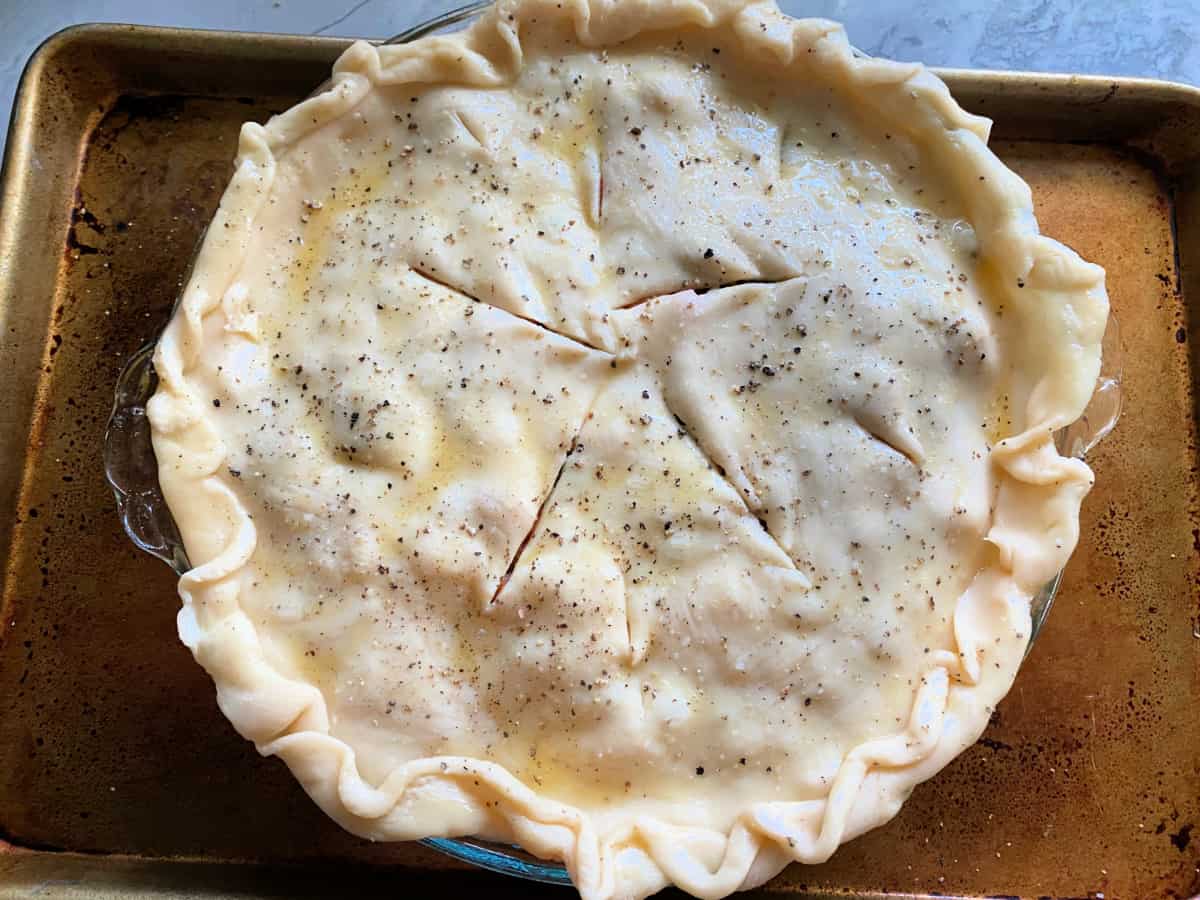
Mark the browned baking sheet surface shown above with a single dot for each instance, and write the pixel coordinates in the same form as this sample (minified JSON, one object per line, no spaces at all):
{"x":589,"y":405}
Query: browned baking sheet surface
{"x":1086,"y":783}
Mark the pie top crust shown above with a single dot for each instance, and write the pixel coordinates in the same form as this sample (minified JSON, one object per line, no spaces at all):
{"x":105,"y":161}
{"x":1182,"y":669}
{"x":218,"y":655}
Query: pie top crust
{"x":626,"y":429}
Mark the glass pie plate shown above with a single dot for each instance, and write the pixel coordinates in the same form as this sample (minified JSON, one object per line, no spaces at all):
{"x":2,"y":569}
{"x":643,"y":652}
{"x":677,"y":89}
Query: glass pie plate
{"x":132,"y":472}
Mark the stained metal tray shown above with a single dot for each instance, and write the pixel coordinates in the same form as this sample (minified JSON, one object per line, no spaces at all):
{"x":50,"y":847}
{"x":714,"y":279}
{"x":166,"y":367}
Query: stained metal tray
{"x":117,"y":772}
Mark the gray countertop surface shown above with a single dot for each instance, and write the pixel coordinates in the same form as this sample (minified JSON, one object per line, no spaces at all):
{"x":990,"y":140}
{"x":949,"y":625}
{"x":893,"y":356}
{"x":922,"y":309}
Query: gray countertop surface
{"x":1156,"y":39}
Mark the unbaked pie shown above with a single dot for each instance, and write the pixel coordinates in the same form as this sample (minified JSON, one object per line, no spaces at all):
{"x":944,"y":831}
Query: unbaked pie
{"x":623,"y":428}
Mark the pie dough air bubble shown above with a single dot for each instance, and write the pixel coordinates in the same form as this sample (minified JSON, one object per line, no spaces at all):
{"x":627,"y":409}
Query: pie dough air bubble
{"x":623,"y":429}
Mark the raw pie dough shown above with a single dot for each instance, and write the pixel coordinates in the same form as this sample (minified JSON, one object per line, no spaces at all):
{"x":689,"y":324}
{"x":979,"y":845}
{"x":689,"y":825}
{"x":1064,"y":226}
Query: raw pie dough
{"x":623,"y":428}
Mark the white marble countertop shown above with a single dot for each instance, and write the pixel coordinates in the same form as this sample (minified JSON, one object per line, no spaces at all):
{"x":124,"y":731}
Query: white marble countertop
{"x":1157,"y":38}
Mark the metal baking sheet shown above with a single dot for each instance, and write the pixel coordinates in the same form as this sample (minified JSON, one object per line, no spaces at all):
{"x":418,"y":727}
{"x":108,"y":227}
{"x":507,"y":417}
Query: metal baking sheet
{"x":118,"y":774}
